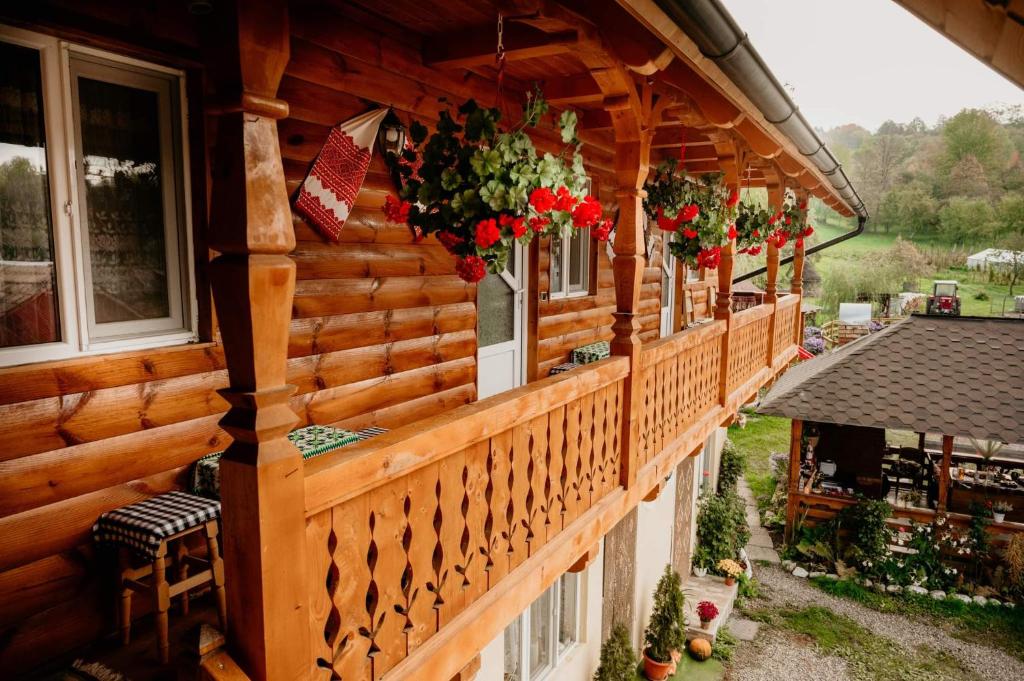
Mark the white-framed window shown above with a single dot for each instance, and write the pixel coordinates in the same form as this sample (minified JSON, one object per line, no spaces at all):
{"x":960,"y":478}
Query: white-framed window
{"x":95,"y":240}
{"x":570,"y":264}
{"x":539,"y":639}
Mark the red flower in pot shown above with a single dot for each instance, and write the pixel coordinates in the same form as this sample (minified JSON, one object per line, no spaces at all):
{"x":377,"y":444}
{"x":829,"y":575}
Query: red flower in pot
{"x":706,"y":611}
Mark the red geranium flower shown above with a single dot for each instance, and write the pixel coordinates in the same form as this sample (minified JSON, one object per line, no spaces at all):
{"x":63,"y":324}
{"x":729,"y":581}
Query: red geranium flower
{"x":518,"y":227}
{"x":734,"y":198}
{"x":564,"y":201}
{"x":709,"y":257}
{"x":789,"y":220}
{"x":809,"y":231}
{"x":754,"y":250}
{"x":689,"y":233}
{"x":538,"y":224}
{"x":800,"y":242}
{"x":757,"y":233}
{"x":603,"y":231}
{"x":587,"y":213}
{"x":449,"y":241}
{"x":395,"y":210}
{"x":487,"y":233}
{"x":690,"y":212}
{"x":667,"y":224}
{"x":542,"y":199}
{"x":732,"y":231}
{"x":472,"y":268}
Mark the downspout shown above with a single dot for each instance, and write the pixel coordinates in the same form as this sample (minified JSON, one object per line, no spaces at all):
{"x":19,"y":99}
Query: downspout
{"x":721,"y":40}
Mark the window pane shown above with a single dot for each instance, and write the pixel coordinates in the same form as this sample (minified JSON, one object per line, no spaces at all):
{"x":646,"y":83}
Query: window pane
{"x":541,"y":616}
{"x":28,"y":278}
{"x":576,"y":260}
{"x":556,"y":265}
{"x":123,"y":185}
{"x":496,"y":314}
{"x":513,"y":651}
{"x":567,"y":620}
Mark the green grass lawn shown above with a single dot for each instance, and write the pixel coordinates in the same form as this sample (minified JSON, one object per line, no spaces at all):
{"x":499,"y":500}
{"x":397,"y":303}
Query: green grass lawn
{"x":994,"y":626}
{"x":868,"y":655}
{"x":762,"y":436}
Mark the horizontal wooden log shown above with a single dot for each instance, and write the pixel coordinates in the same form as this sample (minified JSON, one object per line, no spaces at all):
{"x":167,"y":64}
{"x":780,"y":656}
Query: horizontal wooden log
{"x":316,"y":261}
{"x":334,"y":477}
{"x":559,"y":345}
{"x":319,"y":298}
{"x":336,"y":404}
{"x":40,"y":585}
{"x":315,"y":335}
{"x":54,"y":528}
{"x":83,"y":374}
{"x":412,"y":410}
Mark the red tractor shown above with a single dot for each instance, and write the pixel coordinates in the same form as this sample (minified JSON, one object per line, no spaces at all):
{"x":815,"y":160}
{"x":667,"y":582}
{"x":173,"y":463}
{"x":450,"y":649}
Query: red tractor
{"x":944,"y":299}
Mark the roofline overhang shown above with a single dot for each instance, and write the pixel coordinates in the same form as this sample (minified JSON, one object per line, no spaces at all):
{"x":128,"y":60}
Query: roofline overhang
{"x":719,"y":39}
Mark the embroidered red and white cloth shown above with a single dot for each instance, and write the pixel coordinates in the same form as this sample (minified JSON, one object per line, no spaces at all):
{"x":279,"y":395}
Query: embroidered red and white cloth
{"x":330,"y":189}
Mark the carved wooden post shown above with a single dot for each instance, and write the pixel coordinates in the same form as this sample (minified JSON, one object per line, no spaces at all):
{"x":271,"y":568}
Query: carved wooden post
{"x":947,"y":459}
{"x":797,"y":284}
{"x":771,"y":295}
{"x":730,"y":161}
{"x":253,"y":283}
{"x":628,"y":267}
{"x":795,"y":438}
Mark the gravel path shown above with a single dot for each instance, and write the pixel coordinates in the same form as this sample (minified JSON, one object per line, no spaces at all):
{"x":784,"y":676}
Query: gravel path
{"x":779,"y":655}
{"x":782,"y":589}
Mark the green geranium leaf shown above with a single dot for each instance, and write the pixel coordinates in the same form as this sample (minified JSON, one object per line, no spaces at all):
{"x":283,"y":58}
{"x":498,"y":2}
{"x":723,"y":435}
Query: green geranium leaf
{"x":450,"y":179}
{"x":567,"y":124}
{"x":486,"y":162}
{"x":494,"y":195}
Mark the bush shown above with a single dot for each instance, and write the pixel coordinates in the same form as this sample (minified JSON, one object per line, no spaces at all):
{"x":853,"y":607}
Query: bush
{"x":721,"y":529}
{"x":666,"y":630}
{"x":731,"y":467}
{"x":618,"y":659}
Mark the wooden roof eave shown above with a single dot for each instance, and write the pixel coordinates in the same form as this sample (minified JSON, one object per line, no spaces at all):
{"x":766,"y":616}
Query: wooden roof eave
{"x":710,"y":79}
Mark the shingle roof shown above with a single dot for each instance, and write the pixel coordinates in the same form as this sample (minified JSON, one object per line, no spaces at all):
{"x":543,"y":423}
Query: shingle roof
{"x":950,"y":375}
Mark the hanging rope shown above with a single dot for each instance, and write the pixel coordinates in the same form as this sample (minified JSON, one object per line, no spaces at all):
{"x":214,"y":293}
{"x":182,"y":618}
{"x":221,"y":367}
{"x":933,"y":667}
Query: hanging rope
{"x":682,"y":145}
{"x":499,"y":61}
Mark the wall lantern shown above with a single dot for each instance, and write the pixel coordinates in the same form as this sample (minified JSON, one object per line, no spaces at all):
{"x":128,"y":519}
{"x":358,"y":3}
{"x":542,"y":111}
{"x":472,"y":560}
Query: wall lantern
{"x":391,"y":135}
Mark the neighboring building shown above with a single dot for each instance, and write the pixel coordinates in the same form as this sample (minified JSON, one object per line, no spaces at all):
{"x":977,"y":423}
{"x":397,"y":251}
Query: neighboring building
{"x":185,"y":294}
{"x":994,"y":259}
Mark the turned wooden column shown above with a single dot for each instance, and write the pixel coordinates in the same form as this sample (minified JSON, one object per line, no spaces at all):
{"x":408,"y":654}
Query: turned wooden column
{"x":795,"y":438}
{"x":771,"y":295}
{"x":944,"y":480}
{"x":730,"y":161}
{"x":796,"y":286}
{"x":253,"y":282}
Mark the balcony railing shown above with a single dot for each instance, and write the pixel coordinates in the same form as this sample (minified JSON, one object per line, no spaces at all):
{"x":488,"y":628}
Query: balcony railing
{"x":423,"y":543}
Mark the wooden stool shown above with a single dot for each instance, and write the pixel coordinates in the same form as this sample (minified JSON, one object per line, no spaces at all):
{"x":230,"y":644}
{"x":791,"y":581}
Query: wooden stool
{"x":146,"y":530}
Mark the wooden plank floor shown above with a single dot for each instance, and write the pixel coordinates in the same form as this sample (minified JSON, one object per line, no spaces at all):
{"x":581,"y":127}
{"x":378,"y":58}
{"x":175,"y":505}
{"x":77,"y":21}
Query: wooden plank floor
{"x":138,"y":660}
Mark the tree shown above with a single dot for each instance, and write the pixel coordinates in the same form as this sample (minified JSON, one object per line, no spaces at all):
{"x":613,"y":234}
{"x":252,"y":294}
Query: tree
{"x":967,"y":178}
{"x":618,"y":660}
{"x":967,"y":220}
{"x":876,"y":165}
{"x":1014,"y":245}
{"x":974,"y":132}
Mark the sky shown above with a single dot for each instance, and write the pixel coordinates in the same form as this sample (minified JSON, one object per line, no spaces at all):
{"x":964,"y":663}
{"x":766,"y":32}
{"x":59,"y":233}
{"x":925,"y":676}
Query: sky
{"x":867,"y":61}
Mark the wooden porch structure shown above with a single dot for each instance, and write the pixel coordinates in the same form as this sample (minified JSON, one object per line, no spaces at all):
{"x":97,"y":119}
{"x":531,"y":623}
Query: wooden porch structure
{"x":402,"y":556}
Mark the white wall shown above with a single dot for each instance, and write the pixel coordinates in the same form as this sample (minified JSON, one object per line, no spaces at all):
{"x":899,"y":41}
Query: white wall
{"x":579,"y":663}
{"x":654,"y":551}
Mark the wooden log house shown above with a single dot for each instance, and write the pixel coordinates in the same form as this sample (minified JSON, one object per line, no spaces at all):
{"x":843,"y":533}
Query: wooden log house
{"x":406,"y":555}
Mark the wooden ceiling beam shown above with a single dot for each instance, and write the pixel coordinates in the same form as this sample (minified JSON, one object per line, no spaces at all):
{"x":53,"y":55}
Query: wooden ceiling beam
{"x":573,"y":90}
{"x":476,"y":46}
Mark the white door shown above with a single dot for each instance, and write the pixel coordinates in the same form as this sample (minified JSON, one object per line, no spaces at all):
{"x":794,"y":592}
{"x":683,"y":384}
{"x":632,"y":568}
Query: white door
{"x":501,"y":320}
{"x":668,"y":289}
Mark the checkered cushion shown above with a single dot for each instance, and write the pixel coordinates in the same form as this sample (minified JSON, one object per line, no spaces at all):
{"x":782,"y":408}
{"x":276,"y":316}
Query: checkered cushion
{"x":591,"y":353}
{"x":142,"y":527}
{"x":372,"y":431}
{"x":562,"y":368}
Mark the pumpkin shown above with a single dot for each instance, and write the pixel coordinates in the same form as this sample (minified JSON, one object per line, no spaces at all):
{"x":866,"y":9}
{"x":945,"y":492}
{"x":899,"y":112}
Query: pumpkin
{"x":700,"y":649}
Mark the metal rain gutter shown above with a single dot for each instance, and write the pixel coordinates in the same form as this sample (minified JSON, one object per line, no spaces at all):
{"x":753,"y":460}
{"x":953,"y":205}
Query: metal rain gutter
{"x":721,"y":40}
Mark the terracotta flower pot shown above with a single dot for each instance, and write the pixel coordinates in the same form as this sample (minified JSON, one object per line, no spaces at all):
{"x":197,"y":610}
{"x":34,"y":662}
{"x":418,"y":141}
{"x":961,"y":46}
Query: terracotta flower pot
{"x":656,"y":671}
{"x":705,"y":624}
{"x":730,"y":580}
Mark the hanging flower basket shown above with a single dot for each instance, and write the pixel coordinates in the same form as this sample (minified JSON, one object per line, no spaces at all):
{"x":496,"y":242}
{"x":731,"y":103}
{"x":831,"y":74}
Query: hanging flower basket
{"x":697,"y":213}
{"x":790,"y":223}
{"x":479,"y":189}
{"x":752,"y":228}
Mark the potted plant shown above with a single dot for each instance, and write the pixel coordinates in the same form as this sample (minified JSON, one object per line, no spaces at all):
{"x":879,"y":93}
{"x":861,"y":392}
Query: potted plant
{"x":1000,"y":509}
{"x":731,"y":569}
{"x":707,"y":612}
{"x":752,"y":228}
{"x":665,"y":635}
{"x":618,"y":660}
{"x":479,"y":189}
{"x":790,"y":223}
{"x":701,"y":561}
{"x":697,"y":214}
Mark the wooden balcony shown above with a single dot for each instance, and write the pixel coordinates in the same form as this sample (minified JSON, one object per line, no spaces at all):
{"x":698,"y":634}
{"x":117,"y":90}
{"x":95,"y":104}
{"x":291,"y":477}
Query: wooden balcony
{"x":424,"y":543}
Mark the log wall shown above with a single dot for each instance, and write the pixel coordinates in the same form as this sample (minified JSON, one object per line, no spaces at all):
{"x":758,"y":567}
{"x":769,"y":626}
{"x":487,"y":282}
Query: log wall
{"x":383,"y":332}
